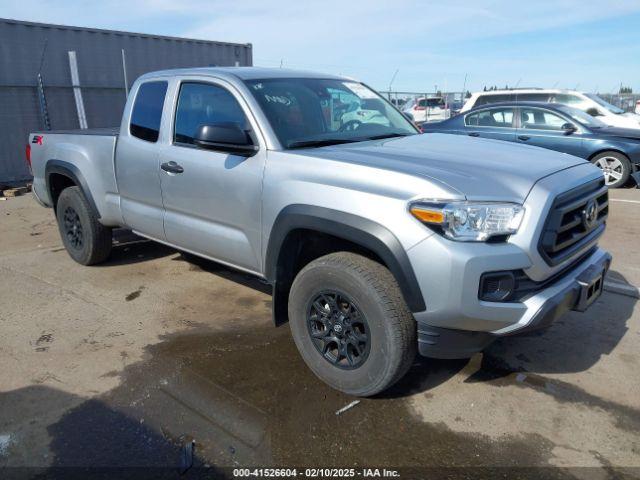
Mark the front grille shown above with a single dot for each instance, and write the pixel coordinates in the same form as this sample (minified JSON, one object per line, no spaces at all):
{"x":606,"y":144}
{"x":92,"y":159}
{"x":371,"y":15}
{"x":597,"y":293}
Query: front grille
{"x":568,"y":228}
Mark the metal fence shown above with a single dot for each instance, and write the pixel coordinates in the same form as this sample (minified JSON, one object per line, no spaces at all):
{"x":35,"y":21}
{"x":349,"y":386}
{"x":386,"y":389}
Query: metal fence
{"x":38,"y":73}
{"x":451,"y":99}
{"x":625,"y":101}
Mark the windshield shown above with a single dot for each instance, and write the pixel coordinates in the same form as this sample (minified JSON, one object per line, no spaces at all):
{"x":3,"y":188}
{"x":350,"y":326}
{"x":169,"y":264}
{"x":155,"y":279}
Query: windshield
{"x":431,"y":102}
{"x":602,"y":103}
{"x":307,"y":112}
{"x":582,"y":117}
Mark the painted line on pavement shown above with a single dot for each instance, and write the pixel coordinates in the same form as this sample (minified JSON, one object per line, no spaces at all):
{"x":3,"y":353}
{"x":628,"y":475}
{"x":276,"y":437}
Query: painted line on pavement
{"x":624,"y":201}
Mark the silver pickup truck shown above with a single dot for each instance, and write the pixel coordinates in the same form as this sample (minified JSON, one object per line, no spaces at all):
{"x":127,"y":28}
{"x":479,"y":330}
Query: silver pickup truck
{"x":378,"y":241}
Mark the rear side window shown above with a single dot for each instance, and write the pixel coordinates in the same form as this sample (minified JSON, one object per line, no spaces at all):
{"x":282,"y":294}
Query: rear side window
{"x":147,"y":111}
{"x":533,"y":97}
{"x":497,"y":117}
{"x":205,"y":104}
{"x":487,"y":99}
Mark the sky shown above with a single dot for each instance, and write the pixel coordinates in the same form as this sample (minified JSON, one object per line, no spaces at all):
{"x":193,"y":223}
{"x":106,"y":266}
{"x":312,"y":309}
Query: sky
{"x":448,"y":44}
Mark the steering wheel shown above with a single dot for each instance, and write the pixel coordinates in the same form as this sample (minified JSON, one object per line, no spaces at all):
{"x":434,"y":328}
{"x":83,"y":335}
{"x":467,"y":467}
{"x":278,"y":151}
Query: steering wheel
{"x":350,"y":126}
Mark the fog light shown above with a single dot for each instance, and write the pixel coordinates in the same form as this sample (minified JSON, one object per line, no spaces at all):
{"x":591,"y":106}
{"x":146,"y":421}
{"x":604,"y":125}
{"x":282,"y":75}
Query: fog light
{"x":496,"y":286}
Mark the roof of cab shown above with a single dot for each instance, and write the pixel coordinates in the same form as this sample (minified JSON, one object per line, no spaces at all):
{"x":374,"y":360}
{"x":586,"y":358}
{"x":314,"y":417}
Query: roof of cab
{"x":242,"y":73}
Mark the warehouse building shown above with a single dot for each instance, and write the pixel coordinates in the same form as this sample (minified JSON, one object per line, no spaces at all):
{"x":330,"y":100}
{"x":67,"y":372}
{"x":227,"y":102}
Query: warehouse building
{"x":60,"y":77}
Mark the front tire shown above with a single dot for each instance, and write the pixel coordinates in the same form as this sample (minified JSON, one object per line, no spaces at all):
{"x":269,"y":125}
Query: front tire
{"x":350,"y":323}
{"x":86,"y":240}
{"x":615,"y":167}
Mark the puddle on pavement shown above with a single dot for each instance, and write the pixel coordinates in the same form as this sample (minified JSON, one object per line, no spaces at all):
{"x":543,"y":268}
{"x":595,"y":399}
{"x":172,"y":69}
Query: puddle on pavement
{"x":247,"y":398}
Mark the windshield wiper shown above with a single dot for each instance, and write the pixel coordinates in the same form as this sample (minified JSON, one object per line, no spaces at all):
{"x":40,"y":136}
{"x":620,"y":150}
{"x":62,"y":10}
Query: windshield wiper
{"x":320,"y":143}
{"x":388,"y":135}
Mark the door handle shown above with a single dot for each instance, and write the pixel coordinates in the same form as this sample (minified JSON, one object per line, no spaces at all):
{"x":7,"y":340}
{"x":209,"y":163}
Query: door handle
{"x":172,"y":167}
{"x":524,"y":138}
{"x":473,"y":134}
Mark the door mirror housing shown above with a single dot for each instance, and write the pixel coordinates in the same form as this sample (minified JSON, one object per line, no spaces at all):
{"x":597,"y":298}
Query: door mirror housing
{"x":569,"y":128}
{"x":594,"y":112}
{"x":225,"y":137}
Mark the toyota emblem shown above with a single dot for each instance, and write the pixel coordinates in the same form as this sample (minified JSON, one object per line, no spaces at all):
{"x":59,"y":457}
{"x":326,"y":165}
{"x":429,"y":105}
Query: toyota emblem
{"x":590,"y":215}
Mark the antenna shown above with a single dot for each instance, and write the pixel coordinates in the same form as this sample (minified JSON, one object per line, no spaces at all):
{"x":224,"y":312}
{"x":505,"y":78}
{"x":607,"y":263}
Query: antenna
{"x":392,"y":79}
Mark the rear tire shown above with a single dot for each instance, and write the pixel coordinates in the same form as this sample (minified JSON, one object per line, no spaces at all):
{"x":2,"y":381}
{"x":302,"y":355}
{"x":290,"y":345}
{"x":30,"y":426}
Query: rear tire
{"x":86,"y":240}
{"x":339,"y":299}
{"x":615,"y":166}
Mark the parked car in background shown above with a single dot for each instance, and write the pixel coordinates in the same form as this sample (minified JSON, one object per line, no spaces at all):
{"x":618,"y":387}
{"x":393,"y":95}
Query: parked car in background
{"x":587,"y":102}
{"x":427,"y":109}
{"x":556,"y":127}
{"x":378,"y":242}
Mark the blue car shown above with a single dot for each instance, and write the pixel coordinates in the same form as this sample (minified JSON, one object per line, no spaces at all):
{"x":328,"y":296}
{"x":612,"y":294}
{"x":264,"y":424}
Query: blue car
{"x":556,"y":127}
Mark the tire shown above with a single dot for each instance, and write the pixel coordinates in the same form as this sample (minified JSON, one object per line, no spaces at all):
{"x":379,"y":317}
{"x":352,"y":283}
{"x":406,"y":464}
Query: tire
{"x":86,"y":240}
{"x":376,"y":308}
{"x":615,"y":166}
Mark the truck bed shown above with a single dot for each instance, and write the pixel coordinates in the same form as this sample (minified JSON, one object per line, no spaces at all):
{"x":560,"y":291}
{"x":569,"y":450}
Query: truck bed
{"x":86,"y":155}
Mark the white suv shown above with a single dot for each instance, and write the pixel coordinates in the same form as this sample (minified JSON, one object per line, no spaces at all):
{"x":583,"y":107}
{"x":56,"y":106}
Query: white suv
{"x":587,"y":102}
{"x":429,"y":109}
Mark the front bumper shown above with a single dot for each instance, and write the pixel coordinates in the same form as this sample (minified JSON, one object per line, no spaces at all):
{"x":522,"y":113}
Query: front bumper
{"x":575,"y":290}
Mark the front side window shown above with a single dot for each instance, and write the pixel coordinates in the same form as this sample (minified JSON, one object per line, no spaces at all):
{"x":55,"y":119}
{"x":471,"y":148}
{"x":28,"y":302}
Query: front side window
{"x":147,"y":111}
{"x":496,"y":117}
{"x":306,"y":112}
{"x":205,"y":104}
{"x":605,"y":104}
{"x":537,"y":119}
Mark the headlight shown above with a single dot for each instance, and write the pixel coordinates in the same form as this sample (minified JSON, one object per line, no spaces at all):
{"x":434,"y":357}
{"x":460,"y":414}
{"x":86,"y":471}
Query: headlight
{"x":469,"y":221}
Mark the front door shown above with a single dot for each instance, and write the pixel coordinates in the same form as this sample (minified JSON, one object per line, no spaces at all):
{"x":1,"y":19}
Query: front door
{"x":212,"y":199}
{"x":543,"y":128}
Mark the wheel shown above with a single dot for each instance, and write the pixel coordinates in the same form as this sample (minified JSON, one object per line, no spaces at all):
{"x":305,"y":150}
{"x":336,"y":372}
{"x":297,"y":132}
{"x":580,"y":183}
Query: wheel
{"x":350,"y":323}
{"x":615,"y":166}
{"x":87,"y":241}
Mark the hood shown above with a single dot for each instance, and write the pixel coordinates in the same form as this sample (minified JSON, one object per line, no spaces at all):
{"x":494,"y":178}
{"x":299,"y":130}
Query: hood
{"x":630,"y":133}
{"x":632,"y":115}
{"x":479,"y":169}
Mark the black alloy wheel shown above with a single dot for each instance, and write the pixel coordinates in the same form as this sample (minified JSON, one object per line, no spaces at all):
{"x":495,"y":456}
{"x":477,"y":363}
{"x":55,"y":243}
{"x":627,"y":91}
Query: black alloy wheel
{"x":339,"y":330}
{"x":73,"y":228}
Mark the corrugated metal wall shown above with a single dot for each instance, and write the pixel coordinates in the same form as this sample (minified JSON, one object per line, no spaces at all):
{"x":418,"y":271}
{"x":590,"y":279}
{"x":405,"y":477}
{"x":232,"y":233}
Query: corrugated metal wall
{"x":24,"y":45}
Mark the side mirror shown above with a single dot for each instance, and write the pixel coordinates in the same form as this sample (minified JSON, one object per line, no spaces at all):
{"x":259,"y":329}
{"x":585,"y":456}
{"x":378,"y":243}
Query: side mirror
{"x":225,"y":137}
{"x":569,"y":128}
{"x":594,"y":112}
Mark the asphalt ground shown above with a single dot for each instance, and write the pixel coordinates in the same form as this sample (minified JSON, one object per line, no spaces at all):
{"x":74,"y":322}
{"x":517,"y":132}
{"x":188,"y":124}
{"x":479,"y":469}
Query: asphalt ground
{"x":125,"y":364}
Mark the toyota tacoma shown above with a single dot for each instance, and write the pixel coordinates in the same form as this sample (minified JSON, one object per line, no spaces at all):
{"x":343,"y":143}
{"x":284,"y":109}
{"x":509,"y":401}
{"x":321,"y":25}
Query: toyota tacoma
{"x":378,"y":242}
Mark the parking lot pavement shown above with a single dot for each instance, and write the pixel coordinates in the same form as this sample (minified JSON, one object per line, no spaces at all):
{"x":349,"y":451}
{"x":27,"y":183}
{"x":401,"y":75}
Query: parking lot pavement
{"x":123,"y":364}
